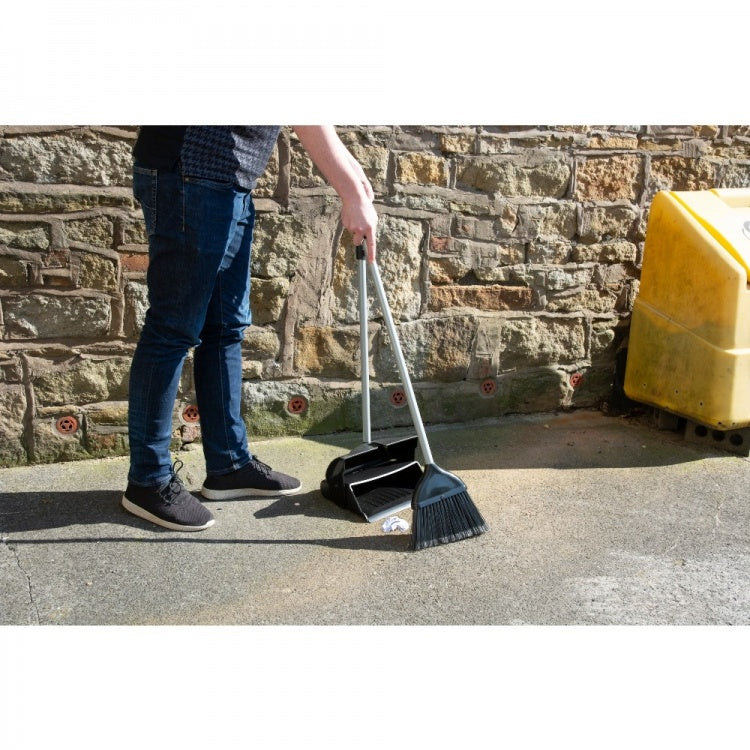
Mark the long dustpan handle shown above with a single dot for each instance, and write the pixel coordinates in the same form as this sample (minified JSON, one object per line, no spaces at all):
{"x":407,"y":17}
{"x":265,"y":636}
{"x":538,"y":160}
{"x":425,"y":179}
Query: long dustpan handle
{"x":363,"y":347}
{"x":405,"y":379}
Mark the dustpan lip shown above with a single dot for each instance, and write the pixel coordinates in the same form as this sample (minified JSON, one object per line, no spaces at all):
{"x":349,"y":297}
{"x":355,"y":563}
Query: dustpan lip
{"x":395,"y":469}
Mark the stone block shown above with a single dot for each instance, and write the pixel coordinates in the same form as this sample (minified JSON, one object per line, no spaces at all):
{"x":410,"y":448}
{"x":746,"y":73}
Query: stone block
{"x":539,"y":174}
{"x":612,"y":141}
{"x":82,"y":158}
{"x":602,"y":223}
{"x":613,"y":251}
{"x":539,"y":342}
{"x":421,"y":168}
{"x":14,"y":272}
{"x":548,"y":252}
{"x":50,"y":446}
{"x":458,"y":143}
{"x":600,"y":301}
{"x":261,"y":343}
{"x":493,"y":297}
{"x":279,"y":241}
{"x":132,"y":231}
{"x":595,"y":387}
{"x":12,"y":413}
{"x":399,"y":260}
{"x":551,"y":221}
{"x":482,"y":256}
{"x":97,"y":271}
{"x":533,"y":390}
{"x":488,"y":229}
{"x":327,"y":352}
{"x":734,"y":175}
{"x":106,"y":429}
{"x":50,"y":316}
{"x":267,"y":297}
{"x":609,"y":178}
{"x":569,"y":277}
{"x":11,"y":370}
{"x":136,"y":304}
{"x":331,"y":409}
{"x":680,"y":173}
{"x":92,"y":230}
{"x":132,"y":261}
{"x":446,"y":269}
{"x":24,"y":235}
{"x":42,"y":199}
{"x":266,"y":185}
{"x":434,"y":349}
{"x":81,"y":381}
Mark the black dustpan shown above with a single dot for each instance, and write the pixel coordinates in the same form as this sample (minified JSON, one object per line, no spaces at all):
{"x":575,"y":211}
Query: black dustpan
{"x":375,"y":479}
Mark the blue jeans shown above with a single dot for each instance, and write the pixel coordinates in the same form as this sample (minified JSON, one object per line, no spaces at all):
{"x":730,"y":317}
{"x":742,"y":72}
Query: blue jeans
{"x":200,"y":234}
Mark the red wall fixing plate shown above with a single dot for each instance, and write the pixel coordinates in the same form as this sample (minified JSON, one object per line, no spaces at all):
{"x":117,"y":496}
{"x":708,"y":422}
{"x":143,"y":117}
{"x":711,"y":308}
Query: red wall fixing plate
{"x":190,"y":414}
{"x":297,"y":405}
{"x":66,"y":425}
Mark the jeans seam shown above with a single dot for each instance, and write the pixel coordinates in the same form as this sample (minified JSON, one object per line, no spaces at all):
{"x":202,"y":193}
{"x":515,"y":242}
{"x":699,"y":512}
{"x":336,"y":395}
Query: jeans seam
{"x":224,"y":409}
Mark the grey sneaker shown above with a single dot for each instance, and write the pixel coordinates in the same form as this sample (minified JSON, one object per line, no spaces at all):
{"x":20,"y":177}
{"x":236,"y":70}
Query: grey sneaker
{"x":170,"y":505}
{"x":256,"y":479}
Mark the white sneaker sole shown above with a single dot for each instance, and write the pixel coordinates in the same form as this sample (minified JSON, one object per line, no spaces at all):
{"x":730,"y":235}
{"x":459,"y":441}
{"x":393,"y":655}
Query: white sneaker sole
{"x":136,"y":510}
{"x":210,"y":494}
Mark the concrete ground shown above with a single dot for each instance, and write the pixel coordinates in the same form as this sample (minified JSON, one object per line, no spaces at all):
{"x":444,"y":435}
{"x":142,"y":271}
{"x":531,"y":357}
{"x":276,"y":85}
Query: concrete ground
{"x":594,"y":520}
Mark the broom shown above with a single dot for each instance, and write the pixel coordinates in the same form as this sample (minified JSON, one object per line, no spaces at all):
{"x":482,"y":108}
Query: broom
{"x":443,"y":512}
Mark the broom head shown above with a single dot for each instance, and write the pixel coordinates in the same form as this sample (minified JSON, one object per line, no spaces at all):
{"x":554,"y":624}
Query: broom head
{"x":443,"y":512}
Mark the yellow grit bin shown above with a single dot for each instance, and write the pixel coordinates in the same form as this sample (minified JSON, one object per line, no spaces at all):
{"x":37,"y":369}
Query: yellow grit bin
{"x":689,"y":346}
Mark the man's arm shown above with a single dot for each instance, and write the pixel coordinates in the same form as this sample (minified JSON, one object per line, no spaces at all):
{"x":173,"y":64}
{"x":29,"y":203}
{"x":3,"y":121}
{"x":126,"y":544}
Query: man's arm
{"x":346,"y":177}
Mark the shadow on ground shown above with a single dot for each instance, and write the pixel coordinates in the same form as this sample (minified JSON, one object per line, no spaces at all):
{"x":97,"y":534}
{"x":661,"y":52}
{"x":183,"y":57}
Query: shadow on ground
{"x":39,"y":511}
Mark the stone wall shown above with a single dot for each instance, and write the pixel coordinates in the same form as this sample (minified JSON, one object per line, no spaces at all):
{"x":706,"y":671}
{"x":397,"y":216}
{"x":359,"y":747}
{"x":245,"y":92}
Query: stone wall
{"x":511,"y":257}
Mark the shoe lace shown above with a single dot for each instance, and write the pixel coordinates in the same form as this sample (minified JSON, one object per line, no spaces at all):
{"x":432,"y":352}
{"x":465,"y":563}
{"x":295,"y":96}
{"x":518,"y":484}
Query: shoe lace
{"x":264,"y":469}
{"x":172,"y":489}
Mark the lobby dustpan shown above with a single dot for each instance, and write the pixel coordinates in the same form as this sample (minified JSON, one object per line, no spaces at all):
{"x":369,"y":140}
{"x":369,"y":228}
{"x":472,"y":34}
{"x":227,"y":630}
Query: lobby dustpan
{"x":375,"y":479}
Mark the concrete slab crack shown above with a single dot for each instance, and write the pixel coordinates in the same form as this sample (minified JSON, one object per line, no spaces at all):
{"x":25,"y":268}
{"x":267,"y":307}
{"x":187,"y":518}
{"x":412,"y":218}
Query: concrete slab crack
{"x":33,"y":610}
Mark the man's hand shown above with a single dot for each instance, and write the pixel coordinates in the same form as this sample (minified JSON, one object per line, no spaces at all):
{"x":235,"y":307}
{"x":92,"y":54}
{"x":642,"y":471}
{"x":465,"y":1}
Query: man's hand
{"x":348,"y":179}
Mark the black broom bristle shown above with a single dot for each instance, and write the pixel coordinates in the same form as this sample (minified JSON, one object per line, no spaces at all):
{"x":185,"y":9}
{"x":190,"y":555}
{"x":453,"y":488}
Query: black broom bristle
{"x":449,"y":519}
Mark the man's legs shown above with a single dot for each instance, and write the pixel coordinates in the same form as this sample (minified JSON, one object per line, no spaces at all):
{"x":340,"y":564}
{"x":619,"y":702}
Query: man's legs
{"x":196,"y":228}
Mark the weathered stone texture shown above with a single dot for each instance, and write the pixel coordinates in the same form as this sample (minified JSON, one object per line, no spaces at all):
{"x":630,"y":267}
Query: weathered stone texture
{"x":609,"y":178}
{"x":14,"y":272}
{"x":81,"y":381}
{"x":424,"y":169}
{"x":267,"y":299}
{"x":542,"y":175}
{"x":491,"y":297}
{"x":83,"y":159}
{"x":24,"y":236}
{"x":47,"y":316}
{"x":93,"y":230}
{"x":533,"y":342}
{"x":279,"y":241}
{"x":399,"y":260}
{"x":680,"y":173}
{"x":511,"y":252}
{"x":327,"y":352}
{"x":98,"y":272}
{"x":136,"y":304}
{"x":437,"y":349}
{"x":12,"y":412}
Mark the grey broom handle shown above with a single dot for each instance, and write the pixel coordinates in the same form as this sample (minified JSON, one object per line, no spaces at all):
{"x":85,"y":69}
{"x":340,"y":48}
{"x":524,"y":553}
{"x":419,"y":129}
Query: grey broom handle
{"x":406,"y":381}
{"x":363,"y":347}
